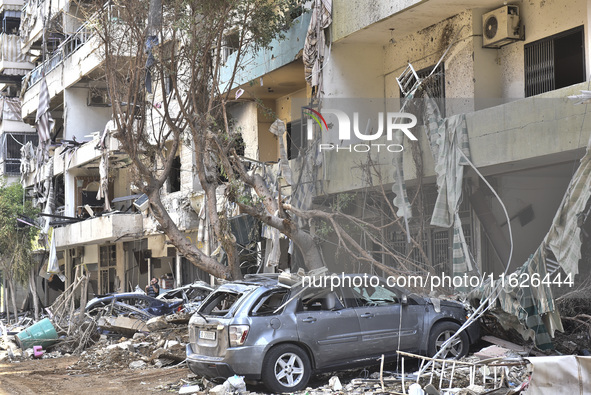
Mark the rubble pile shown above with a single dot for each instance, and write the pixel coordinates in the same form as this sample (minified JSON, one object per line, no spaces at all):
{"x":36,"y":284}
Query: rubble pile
{"x":165,"y":347}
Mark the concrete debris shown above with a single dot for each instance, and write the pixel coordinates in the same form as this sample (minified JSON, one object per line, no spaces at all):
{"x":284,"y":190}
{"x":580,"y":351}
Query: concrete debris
{"x":335,"y":383}
{"x":157,"y":323}
{"x":138,"y":365}
{"x":189,"y":389}
{"x":124,"y":325}
{"x":415,"y":389}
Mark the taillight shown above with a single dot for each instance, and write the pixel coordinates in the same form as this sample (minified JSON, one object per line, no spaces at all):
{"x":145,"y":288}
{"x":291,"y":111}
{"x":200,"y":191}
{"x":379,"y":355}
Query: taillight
{"x":238,"y":334}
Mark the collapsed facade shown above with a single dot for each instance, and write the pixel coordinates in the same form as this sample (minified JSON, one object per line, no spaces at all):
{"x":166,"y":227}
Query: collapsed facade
{"x":507,"y":68}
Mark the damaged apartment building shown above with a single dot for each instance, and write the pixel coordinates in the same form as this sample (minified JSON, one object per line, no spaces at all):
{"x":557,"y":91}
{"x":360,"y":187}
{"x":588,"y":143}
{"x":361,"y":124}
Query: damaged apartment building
{"x":499,"y":72}
{"x":14,"y":133}
{"x":98,"y":218}
{"x":507,"y":68}
{"x":498,"y":76}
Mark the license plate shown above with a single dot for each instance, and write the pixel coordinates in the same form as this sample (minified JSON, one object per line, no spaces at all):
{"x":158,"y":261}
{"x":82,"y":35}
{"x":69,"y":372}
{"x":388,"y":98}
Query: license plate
{"x":207,"y":335}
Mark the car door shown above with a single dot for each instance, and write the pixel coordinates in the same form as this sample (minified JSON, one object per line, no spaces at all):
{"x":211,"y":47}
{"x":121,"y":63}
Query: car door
{"x":328,"y":327}
{"x":384,"y":321}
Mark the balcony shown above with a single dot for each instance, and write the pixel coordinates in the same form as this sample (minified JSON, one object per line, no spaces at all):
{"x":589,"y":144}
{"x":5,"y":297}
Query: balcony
{"x":88,"y":156}
{"x":75,"y":58}
{"x":107,"y":228}
{"x":63,"y":52}
{"x":282,"y":53}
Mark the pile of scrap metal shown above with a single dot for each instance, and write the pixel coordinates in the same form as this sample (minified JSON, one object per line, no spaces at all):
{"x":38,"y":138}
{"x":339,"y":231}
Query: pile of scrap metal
{"x":494,"y":370}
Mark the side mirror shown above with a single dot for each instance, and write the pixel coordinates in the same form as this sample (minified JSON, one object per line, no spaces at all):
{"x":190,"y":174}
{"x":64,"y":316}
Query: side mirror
{"x":404,"y":299}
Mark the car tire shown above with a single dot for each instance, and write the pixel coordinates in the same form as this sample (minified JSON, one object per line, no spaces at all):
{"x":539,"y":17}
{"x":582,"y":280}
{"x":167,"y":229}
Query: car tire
{"x":443,"y":331}
{"x":286,"y":368}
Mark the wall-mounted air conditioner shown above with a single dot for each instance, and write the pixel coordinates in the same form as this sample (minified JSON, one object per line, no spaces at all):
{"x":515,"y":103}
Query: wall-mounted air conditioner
{"x":501,"y":27}
{"x":98,"y":98}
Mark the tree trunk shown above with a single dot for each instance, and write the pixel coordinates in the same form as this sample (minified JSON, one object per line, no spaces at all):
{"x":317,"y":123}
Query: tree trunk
{"x":33,"y":289}
{"x":13,"y":300}
{"x":178,"y":239}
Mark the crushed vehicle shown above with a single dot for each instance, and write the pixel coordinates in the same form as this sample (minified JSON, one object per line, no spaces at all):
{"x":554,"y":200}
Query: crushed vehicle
{"x":260,"y":329}
{"x":133,"y":303}
{"x":191,"y":294}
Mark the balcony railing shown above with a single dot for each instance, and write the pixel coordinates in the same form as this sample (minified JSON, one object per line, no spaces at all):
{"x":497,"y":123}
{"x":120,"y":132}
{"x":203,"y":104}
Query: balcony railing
{"x":63,"y":52}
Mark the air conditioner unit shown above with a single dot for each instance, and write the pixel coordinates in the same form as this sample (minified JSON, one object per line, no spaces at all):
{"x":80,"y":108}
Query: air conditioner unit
{"x":501,"y":27}
{"x":142,"y":203}
{"x":98,"y":98}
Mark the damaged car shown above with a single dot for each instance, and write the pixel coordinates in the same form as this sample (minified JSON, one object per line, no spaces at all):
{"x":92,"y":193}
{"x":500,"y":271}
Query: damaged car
{"x":133,"y":302}
{"x":264,"y":330}
{"x":191,"y":295}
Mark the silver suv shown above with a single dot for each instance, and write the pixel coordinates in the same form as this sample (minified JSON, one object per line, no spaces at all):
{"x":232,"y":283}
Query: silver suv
{"x":263,"y":330}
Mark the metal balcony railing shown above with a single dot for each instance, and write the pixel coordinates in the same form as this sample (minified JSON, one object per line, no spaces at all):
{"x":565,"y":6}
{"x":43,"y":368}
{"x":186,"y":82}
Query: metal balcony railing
{"x":63,"y":52}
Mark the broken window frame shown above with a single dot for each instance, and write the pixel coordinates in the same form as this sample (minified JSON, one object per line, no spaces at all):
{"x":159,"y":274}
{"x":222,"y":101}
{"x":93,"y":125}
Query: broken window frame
{"x":296,"y":143}
{"x":262,"y":308}
{"x":434,"y":87}
{"x":107,"y":268}
{"x":13,"y":142}
{"x":217,"y":300}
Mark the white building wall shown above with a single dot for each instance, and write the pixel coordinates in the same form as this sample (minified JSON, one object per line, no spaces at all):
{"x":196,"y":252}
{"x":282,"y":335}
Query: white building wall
{"x":81,"y":119}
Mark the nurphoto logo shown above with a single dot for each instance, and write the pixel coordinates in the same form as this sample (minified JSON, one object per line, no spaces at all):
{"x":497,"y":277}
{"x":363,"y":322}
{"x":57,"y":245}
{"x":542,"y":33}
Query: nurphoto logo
{"x":393,"y":121}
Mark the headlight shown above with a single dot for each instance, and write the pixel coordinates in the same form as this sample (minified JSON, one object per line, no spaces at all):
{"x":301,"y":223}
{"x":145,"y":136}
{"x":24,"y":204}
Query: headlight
{"x":238,"y":334}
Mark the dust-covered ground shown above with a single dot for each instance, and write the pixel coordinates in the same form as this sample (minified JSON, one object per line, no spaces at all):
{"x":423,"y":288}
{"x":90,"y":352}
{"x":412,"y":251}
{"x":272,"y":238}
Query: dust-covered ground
{"x":63,"y":376}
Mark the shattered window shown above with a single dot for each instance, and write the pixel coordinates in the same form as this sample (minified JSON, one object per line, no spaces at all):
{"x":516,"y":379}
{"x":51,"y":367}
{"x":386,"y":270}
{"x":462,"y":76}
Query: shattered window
{"x":322,"y":300}
{"x":374,"y":296}
{"x":269,"y":302}
{"x":12,"y":150}
{"x":220,"y":303}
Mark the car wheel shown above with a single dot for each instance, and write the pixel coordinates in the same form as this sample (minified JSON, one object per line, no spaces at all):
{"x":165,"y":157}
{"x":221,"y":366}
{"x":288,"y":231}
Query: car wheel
{"x":286,"y":368}
{"x":439,"y":335}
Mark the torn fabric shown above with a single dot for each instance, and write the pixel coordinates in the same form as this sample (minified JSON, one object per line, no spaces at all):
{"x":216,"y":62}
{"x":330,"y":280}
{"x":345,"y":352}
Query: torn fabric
{"x":103,"y":191}
{"x":461,"y":259}
{"x":533,"y":306}
{"x":10,"y":49}
{"x":400,"y":201}
{"x":446,"y":137}
{"x":564,"y":236}
{"x":314,"y":46}
{"x":53,"y":265}
{"x":278,"y":129}
{"x":44,"y":123}
{"x":11,"y":109}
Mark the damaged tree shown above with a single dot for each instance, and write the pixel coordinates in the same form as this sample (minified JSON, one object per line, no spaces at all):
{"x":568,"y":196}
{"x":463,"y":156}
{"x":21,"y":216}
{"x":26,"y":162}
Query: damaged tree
{"x":164,"y":83}
{"x":15,"y":242}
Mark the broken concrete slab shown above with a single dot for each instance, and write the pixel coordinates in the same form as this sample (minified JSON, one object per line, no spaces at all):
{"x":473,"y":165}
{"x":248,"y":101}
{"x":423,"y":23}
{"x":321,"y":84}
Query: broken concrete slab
{"x":157,"y":323}
{"x":124,"y":325}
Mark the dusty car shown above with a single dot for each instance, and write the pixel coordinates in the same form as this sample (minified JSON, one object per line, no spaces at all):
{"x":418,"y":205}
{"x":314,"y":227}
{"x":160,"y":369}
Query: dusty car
{"x":137,"y":301}
{"x":191,"y":294}
{"x":262,"y":330}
